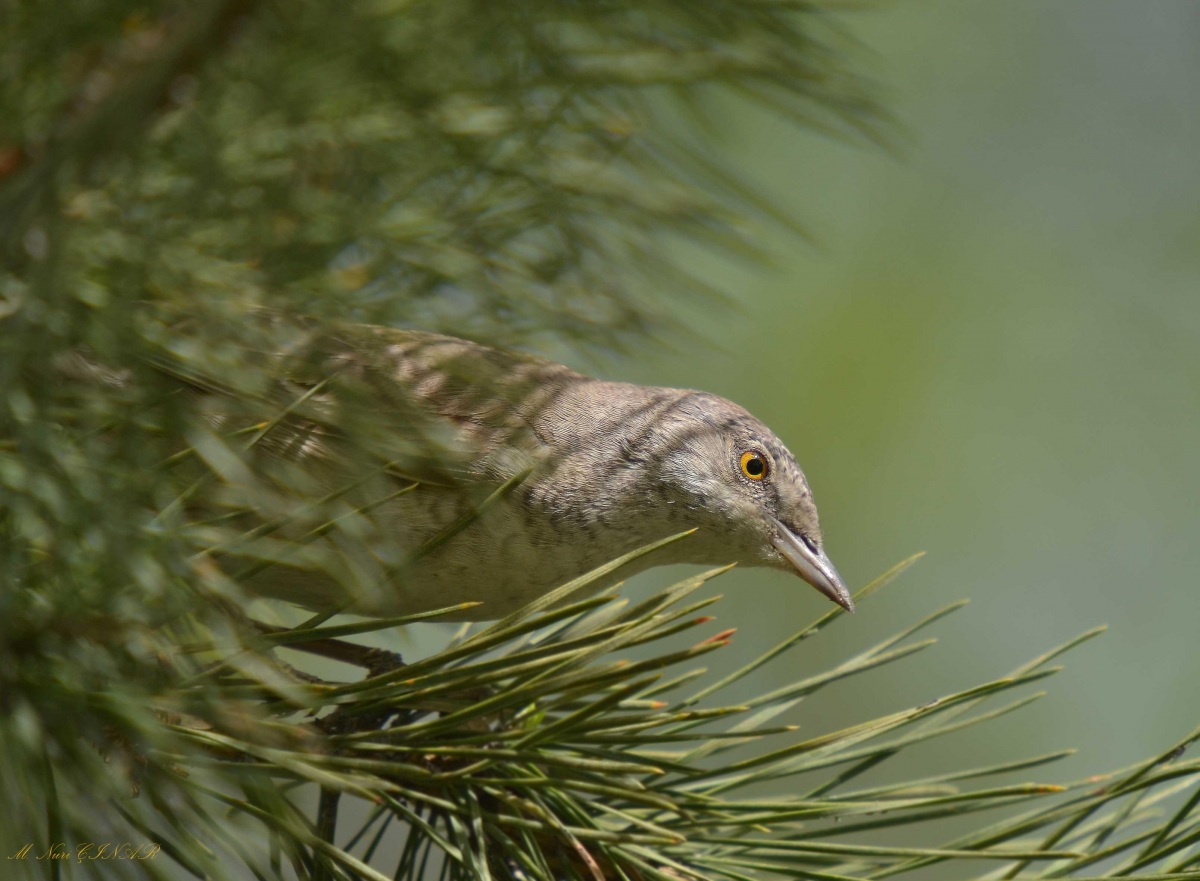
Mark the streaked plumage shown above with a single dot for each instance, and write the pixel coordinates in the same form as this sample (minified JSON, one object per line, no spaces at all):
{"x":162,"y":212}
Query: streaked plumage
{"x":612,"y":467}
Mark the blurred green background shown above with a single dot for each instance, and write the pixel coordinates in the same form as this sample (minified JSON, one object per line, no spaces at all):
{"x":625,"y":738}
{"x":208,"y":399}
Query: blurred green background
{"x":990,"y":352}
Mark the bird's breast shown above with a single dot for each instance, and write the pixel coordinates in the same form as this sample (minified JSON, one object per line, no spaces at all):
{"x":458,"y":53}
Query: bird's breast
{"x":522,"y":546}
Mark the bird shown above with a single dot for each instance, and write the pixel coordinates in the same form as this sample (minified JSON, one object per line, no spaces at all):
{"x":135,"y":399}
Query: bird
{"x":534,"y":475}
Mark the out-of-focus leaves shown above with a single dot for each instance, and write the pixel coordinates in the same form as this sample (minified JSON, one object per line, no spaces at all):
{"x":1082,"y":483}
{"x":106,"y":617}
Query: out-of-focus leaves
{"x":190,"y":195}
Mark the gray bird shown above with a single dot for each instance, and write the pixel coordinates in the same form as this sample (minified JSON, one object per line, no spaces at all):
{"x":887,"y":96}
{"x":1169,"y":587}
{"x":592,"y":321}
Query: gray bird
{"x":595,"y":469}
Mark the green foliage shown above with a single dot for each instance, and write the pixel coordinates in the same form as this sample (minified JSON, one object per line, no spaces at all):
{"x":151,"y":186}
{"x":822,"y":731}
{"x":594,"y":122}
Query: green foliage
{"x":538,"y":754}
{"x":538,"y":748}
{"x":191,"y":195}
{"x":171,"y":171}
{"x":505,"y":166}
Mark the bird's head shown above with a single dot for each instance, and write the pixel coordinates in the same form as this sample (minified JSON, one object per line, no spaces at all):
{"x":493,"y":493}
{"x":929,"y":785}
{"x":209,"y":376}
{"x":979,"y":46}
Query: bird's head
{"x":744,"y":489}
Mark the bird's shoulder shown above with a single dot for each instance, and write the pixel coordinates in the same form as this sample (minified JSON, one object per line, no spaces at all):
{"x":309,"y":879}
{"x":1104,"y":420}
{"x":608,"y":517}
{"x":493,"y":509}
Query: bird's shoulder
{"x":484,"y":408}
{"x":457,"y":378}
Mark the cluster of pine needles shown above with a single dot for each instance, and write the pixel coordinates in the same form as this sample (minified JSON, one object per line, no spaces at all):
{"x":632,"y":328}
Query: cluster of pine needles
{"x":547,"y":746}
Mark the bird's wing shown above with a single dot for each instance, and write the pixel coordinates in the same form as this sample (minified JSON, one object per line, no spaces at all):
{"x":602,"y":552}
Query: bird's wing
{"x":436,"y":410}
{"x":490,"y":400}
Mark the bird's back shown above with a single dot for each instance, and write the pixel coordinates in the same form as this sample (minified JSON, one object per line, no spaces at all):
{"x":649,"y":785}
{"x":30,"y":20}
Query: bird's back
{"x":488,"y":427}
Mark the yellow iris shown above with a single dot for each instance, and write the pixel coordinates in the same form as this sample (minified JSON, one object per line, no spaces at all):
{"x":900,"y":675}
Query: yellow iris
{"x":754,"y":465}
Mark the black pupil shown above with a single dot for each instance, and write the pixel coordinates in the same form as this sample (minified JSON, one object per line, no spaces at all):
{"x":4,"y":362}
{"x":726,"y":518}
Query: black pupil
{"x":755,"y":467}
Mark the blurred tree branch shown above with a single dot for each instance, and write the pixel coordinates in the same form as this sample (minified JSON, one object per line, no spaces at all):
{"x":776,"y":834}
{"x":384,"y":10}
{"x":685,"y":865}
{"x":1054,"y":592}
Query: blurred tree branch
{"x":113,"y":102}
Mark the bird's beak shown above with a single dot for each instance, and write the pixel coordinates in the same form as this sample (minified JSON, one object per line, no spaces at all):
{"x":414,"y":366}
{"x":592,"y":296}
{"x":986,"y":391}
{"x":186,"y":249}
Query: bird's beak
{"x":813,"y":566}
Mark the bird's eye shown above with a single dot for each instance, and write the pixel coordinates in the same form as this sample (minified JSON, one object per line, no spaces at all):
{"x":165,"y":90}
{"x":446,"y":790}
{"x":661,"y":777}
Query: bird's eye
{"x":754,"y":465}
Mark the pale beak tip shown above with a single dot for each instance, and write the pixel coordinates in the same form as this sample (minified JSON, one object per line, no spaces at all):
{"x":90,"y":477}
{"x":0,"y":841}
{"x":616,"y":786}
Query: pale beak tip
{"x":813,"y":566}
{"x":832,"y":586}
